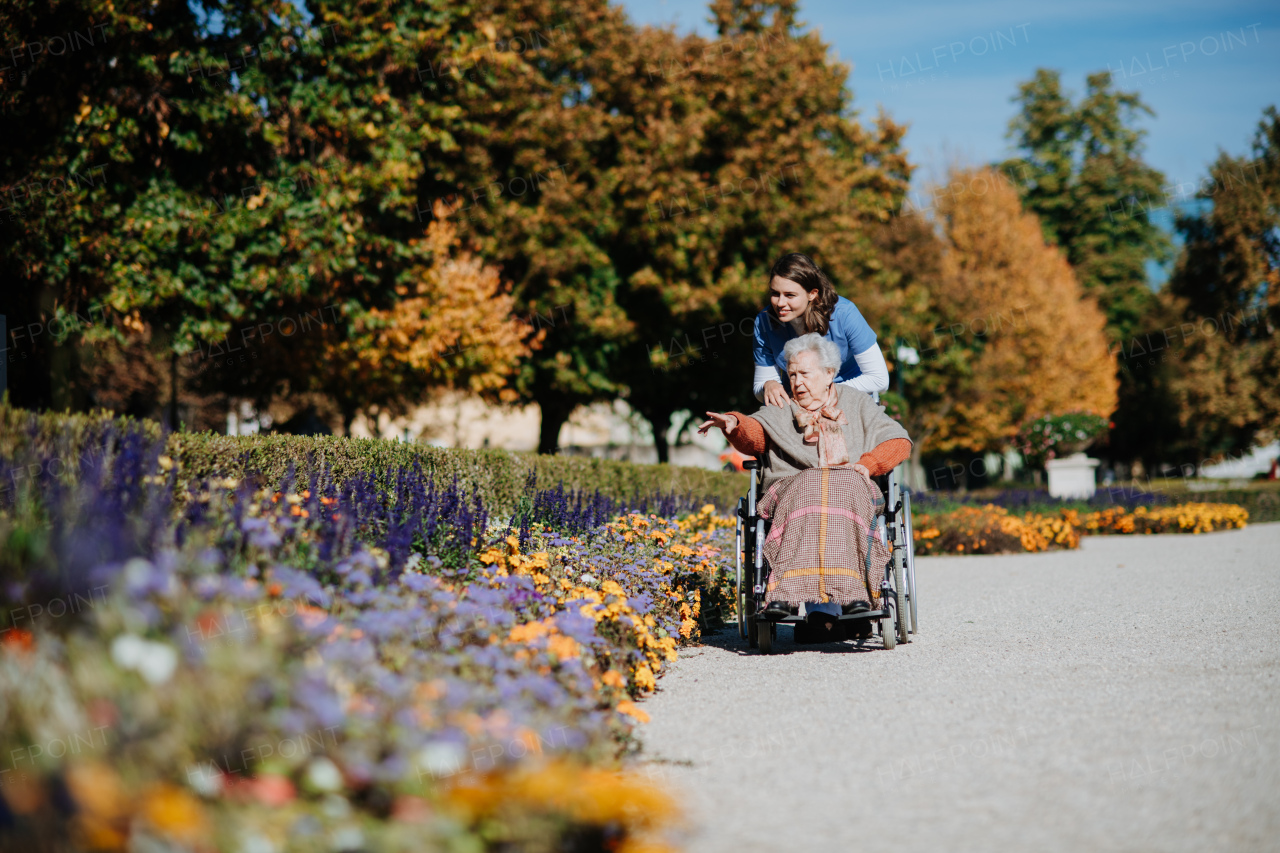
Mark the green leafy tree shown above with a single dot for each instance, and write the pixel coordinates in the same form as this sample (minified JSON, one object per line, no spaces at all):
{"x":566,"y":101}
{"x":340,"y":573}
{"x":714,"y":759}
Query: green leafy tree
{"x":260,"y":169}
{"x":1226,"y":289}
{"x":1082,"y":173}
{"x":723,"y":165}
{"x":635,"y":185}
{"x":525,"y":162}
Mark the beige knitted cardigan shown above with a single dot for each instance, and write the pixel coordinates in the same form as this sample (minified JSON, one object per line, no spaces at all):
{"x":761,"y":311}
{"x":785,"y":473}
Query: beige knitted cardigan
{"x":787,"y":453}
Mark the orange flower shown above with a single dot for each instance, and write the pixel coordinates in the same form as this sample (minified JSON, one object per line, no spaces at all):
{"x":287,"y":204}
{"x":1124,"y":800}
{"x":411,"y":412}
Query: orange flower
{"x":270,"y":789}
{"x":173,"y":812}
{"x":101,"y":822}
{"x":18,"y":640}
{"x":565,"y":648}
{"x":631,"y":709}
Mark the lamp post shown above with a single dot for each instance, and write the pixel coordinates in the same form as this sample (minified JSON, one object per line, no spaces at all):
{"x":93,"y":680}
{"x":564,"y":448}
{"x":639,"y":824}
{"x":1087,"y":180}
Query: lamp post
{"x":905,"y":355}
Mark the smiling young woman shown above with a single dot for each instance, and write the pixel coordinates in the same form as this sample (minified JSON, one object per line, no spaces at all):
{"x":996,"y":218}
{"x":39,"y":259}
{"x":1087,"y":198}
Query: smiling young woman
{"x":802,"y":300}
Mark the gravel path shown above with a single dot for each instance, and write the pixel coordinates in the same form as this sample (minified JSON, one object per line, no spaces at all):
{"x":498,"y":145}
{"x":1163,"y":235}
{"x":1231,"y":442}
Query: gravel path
{"x":1125,"y":696}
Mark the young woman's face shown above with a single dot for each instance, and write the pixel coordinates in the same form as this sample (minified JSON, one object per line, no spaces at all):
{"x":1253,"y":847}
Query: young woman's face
{"x":789,"y":300}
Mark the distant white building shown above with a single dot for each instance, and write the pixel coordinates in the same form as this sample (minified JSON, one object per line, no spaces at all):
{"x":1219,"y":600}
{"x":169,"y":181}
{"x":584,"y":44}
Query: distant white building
{"x":1244,"y":467}
{"x":603,"y":430}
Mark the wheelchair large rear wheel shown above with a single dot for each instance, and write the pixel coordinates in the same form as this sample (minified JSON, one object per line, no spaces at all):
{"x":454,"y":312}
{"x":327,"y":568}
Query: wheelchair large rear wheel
{"x":910,"y":560}
{"x":739,"y":602}
{"x":900,"y":611}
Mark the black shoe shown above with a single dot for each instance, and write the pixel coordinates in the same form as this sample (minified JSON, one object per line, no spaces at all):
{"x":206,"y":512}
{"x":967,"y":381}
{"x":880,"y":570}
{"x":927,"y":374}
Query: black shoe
{"x":777,"y":610}
{"x":855,"y":607}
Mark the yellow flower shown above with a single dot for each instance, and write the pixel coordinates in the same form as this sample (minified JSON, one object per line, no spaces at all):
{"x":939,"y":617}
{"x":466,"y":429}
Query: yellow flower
{"x":583,"y":796}
{"x":644,"y":678}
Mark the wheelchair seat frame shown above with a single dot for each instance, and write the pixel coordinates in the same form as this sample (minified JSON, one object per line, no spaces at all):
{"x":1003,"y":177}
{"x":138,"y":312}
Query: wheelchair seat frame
{"x":895,"y":620}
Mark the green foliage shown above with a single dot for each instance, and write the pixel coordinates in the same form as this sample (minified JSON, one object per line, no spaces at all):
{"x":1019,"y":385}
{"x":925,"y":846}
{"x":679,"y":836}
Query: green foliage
{"x":1227,"y":287}
{"x":256,"y":167}
{"x":1051,"y":435}
{"x":895,"y":404}
{"x":724,"y":165}
{"x":1083,"y":174}
{"x":675,"y":169}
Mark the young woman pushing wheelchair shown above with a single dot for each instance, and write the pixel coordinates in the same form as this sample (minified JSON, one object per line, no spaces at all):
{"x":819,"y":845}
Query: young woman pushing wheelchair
{"x":802,"y":300}
{"x":819,"y":446}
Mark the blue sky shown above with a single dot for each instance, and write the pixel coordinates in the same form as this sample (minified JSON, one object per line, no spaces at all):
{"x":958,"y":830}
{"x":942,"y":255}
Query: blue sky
{"x":949,"y":69}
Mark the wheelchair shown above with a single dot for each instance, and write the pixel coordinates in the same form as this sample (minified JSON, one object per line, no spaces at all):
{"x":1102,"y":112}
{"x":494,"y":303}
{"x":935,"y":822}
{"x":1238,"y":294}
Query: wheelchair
{"x":896,"y":618}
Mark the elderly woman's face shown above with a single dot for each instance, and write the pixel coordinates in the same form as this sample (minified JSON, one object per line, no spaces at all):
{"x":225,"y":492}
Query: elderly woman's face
{"x":809,"y":379}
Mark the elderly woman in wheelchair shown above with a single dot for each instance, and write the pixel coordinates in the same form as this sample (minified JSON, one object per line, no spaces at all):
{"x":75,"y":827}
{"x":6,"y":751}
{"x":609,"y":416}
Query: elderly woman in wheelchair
{"x":819,"y":455}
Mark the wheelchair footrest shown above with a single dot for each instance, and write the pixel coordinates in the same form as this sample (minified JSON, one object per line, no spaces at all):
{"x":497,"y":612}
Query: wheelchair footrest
{"x":848,"y":617}
{"x":865,"y":614}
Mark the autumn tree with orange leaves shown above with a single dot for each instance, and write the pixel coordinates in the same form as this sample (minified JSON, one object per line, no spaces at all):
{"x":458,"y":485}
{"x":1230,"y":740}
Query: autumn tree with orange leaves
{"x":1005,"y":331}
{"x":454,"y":326}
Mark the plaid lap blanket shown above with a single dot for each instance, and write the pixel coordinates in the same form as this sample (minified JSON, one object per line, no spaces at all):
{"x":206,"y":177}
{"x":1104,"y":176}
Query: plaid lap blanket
{"x":821,"y":536}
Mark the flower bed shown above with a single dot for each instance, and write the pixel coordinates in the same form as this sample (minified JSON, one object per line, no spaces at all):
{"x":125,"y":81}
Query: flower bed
{"x":991,"y":530}
{"x":1183,"y":518}
{"x":231,"y":668}
{"x":994,"y":530}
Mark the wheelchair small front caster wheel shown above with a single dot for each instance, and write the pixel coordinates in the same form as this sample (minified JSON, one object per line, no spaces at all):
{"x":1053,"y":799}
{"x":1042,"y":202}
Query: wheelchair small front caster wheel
{"x":765,"y":634}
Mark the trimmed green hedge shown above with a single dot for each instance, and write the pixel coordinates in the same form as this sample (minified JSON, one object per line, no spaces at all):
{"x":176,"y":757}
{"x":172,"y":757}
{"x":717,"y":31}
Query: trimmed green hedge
{"x":500,"y":476}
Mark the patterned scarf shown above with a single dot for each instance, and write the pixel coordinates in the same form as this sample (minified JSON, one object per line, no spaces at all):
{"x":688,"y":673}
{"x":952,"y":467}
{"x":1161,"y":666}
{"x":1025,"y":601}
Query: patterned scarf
{"x":821,"y":421}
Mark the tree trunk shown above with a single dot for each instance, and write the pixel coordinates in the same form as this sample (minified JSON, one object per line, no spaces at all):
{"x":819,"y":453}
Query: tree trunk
{"x":173,"y":390}
{"x":555,"y":412}
{"x":660,"y":422}
{"x":917,"y":480}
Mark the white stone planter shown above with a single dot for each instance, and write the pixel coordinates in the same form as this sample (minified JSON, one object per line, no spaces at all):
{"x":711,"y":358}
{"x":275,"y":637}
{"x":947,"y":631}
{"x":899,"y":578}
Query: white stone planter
{"x":1072,"y":476}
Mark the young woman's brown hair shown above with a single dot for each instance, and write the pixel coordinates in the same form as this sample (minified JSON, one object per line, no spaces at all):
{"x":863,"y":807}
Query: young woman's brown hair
{"x":803,"y":271}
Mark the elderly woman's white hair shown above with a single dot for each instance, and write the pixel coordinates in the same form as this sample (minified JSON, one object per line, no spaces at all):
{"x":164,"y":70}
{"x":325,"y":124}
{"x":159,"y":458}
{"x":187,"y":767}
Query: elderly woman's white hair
{"x":828,"y":353}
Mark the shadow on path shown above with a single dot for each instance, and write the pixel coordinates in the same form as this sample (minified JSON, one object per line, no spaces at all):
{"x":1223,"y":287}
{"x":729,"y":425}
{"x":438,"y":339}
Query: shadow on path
{"x":727,"y":638}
